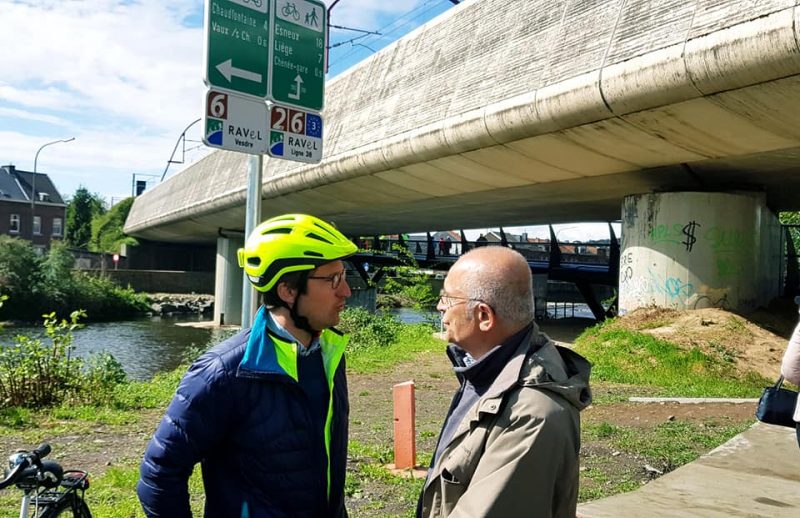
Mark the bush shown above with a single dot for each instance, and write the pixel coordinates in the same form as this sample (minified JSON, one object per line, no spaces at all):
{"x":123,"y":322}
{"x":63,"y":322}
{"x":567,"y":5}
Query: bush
{"x":21,"y":276}
{"x":42,"y":284}
{"x":36,"y":374}
{"x":368,"y":331}
{"x":409,"y":284}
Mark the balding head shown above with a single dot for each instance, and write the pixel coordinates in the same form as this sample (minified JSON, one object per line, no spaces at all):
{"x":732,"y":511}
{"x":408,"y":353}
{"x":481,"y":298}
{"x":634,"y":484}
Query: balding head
{"x":500,"y":277}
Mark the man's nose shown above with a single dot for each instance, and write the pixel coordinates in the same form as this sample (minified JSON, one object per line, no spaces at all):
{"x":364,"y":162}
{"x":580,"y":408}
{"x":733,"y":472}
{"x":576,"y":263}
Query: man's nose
{"x":344,"y":289}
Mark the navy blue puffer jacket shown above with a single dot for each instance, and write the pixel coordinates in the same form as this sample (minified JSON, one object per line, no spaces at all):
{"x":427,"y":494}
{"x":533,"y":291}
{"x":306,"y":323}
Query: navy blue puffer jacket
{"x":240,"y":412}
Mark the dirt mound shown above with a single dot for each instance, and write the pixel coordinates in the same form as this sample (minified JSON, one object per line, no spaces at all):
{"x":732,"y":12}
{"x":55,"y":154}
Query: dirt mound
{"x":718,"y":333}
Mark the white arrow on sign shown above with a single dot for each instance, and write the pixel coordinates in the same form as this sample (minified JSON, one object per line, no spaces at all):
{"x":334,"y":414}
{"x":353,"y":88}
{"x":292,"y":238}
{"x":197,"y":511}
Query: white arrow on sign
{"x":298,"y":81}
{"x":227,"y":70}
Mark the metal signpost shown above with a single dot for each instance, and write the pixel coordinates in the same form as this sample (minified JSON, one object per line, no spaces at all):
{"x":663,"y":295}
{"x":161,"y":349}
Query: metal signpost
{"x":298,"y":53}
{"x":258,"y":51}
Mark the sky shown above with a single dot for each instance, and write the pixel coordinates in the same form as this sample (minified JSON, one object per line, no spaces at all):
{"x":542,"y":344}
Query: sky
{"x":125,"y":78}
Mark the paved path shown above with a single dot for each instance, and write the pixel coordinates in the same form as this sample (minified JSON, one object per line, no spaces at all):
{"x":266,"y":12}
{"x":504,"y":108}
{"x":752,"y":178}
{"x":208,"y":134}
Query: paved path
{"x":757,"y":473}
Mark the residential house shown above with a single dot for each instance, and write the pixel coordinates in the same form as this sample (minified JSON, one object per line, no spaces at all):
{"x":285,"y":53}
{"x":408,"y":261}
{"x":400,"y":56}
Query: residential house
{"x":39,"y":220}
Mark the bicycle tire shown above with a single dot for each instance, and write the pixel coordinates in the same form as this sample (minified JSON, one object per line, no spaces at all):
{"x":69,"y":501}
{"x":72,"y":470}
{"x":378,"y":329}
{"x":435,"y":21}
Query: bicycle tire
{"x":64,"y":510}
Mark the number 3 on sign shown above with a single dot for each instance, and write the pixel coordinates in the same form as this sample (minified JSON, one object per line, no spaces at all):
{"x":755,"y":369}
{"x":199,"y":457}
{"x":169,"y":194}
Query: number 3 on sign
{"x":217,"y":105}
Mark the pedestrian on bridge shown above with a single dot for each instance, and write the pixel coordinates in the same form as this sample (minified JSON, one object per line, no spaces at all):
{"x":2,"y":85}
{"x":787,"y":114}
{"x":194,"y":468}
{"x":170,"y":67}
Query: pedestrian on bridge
{"x":265,"y":412}
{"x":510,"y":441}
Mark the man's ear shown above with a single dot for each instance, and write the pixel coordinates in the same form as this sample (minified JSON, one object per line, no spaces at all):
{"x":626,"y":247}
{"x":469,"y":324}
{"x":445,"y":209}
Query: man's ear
{"x":286,"y":293}
{"x":486,"y":317}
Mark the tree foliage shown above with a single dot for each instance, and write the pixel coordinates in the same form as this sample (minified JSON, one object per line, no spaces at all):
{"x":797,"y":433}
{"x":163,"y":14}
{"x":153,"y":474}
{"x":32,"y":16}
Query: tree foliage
{"x":20,"y":272}
{"x":107,"y":235}
{"x":81,"y":209}
{"x":37,"y":285}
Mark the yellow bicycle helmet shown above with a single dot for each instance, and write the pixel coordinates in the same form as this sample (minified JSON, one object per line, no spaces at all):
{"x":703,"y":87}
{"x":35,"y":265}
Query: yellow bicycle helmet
{"x":290,"y":243}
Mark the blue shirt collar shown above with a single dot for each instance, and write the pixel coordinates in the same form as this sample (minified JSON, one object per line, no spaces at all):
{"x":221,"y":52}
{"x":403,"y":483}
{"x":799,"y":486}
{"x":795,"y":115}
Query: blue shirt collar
{"x":283,"y":333}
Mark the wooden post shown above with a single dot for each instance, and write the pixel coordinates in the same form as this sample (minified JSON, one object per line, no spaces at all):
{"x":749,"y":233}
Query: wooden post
{"x":405,"y":446}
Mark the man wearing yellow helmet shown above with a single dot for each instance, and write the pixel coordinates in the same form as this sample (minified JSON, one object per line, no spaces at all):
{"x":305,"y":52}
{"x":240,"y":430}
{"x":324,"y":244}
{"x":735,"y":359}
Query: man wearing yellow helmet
{"x":265,"y":412}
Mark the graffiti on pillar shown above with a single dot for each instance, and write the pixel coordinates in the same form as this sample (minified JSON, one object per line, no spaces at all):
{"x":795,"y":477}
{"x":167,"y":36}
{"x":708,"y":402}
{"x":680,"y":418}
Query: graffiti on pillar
{"x":644,"y":288}
{"x":667,"y":234}
{"x":676,"y":233}
{"x":688,"y":231}
{"x":727,"y":246}
{"x":637,"y":289}
{"x":726,"y":239}
{"x":710,"y":300}
{"x":626,"y":266}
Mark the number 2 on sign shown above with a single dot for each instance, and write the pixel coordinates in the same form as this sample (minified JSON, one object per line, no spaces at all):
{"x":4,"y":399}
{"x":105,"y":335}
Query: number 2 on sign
{"x":286,"y":119}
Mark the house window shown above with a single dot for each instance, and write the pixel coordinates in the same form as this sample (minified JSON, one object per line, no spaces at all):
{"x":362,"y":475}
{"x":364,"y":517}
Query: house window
{"x":57,"y":226}
{"x":14,"y":227}
{"x":37,"y":225}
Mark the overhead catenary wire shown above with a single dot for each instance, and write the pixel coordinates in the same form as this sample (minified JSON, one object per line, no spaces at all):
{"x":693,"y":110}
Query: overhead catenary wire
{"x":389,"y":29}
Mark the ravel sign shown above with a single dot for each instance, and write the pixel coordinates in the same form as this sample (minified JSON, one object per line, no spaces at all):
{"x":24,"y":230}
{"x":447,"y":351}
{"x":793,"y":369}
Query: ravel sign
{"x":295,"y":134}
{"x":235,"y":123}
{"x":237,"y":45}
{"x":258,"y":51}
{"x":298,"y":53}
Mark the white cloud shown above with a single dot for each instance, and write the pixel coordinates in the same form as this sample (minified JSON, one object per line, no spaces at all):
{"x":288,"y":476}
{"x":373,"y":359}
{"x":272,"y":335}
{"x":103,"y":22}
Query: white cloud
{"x":32,"y":116}
{"x":124,"y":77}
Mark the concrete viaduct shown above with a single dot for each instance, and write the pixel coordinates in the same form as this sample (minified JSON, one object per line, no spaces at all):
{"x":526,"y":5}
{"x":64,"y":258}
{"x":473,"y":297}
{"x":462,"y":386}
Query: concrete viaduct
{"x":679,"y":117}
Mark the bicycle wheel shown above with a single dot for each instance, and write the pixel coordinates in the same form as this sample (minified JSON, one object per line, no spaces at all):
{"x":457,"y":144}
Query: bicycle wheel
{"x":64,"y":509}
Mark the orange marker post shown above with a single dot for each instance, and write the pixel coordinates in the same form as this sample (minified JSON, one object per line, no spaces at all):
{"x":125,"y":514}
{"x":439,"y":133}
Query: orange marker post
{"x":405,"y":446}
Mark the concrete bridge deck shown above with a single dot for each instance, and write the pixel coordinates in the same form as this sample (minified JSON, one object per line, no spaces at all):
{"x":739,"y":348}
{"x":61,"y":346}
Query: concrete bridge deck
{"x":526,"y":112}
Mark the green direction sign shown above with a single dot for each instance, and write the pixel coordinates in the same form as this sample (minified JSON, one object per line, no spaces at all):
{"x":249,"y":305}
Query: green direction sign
{"x":237,"y":45}
{"x":297,"y":53}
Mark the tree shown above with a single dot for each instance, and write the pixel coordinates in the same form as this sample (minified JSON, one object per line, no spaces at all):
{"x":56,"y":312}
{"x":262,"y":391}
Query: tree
{"x":20,"y":277}
{"x":107,"y":235}
{"x":82,"y":208}
{"x":790,"y":218}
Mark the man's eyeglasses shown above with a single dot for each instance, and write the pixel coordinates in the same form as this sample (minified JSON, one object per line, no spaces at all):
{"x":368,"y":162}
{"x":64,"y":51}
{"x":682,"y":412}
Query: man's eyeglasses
{"x":448,"y":301}
{"x":335,"y":279}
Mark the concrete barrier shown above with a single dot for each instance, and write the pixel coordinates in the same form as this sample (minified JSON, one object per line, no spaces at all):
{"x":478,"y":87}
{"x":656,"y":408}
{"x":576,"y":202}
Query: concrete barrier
{"x":161,"y":281}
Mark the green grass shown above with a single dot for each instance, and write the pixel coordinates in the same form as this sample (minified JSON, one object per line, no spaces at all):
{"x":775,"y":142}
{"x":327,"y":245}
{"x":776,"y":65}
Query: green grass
{"x":372,"y":459}
{"x":673,"y":443}
{"x":625,"y":363}
{"x":634,"y":358}
{"x":667,"y":446}
{"x":409,"y":342}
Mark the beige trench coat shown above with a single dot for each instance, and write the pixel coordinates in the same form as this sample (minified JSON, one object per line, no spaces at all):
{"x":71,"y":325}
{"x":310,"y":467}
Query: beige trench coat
{"x":516,"y":451}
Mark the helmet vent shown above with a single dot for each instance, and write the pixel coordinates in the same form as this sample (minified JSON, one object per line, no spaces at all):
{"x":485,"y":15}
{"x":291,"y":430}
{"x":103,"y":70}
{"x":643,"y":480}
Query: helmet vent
{"x":319,"y":238}
{"x":282,"y":230}
{"x":254,"y":261}
{"x":309,"y":253}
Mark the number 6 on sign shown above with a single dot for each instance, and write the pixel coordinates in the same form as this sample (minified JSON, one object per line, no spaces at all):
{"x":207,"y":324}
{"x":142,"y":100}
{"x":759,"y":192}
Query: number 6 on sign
{"x":217,"y":105}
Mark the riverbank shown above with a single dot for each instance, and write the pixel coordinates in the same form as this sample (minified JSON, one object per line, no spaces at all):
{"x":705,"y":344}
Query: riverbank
{"x":624,"y":444}
{"x":169,"y":304}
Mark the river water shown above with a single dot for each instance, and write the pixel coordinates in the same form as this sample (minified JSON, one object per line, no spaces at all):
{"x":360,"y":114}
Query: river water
{"x":150,"y":345}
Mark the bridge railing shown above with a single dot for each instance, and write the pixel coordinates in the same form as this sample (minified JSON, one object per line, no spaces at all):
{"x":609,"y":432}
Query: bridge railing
{"x":589,"y":252}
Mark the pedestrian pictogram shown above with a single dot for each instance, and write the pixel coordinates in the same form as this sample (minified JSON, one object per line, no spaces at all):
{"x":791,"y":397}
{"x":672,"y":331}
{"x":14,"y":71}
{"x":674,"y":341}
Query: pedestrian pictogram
{"x":298,"y":53}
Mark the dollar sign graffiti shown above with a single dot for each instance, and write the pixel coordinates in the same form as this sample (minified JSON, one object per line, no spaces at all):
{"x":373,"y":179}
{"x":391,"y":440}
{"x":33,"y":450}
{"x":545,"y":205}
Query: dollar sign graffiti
{"x":688,"y":231}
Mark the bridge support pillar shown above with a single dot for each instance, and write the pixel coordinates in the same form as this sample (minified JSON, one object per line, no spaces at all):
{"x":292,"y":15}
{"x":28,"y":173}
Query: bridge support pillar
{"x":691,"y":250}
{"x":228,"y":282}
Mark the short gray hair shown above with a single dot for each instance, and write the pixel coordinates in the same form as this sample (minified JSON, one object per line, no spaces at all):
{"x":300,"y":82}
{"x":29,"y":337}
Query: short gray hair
{"x":510,"y":296}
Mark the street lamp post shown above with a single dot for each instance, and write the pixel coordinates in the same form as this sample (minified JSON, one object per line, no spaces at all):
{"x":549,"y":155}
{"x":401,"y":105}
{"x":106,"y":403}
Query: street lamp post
{"x":33,"y":180}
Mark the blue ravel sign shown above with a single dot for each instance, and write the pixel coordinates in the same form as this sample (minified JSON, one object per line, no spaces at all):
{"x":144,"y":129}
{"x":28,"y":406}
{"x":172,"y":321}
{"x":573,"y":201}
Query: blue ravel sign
{"x":295,"y":134}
